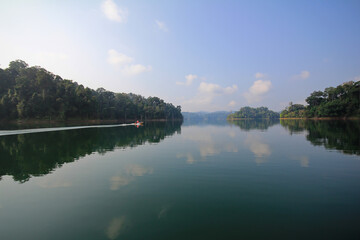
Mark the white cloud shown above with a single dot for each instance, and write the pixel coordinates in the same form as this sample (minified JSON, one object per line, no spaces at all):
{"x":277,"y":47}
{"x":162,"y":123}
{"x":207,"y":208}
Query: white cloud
{"x":211,"y":88}
{"x":303,"y":75}
{"x":206,"y":93}
{"x":161,"y":25}
{"x":119,"y":59}
{"x":232,"y":103}
{"x":257,"y":90}
{"x":260,"y":87}
{"x":189,"y":80}
{"x":135,"y":69}
{"x":116,"y":58}
{"x":260,"y":75}
{"x":113,"y":12}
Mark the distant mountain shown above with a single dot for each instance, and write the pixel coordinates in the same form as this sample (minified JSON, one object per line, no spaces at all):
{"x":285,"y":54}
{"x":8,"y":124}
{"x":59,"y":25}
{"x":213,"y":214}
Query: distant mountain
{"x":219,"y":115}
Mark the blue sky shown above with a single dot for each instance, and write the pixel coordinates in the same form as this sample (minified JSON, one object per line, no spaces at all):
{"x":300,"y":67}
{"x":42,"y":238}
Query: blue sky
{"x":202,"y":55}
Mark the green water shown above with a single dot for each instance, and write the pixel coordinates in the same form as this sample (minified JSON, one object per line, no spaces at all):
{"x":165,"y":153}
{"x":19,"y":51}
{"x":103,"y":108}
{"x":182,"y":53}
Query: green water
{"x":240,"y":180}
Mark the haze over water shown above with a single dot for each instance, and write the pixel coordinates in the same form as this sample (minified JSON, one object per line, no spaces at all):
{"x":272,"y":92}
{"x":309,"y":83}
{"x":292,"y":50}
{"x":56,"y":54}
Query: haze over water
{"x":239,"y":180}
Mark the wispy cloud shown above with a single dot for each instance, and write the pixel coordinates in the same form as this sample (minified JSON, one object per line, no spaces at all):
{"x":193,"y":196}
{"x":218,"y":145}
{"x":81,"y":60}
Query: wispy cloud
{"x":257,"y":90}
{"x":303,"y":75}
{"x":135,"y":69}
{"x":113,"y":12}
{"x":206,"y":93}
{"x":124,"y":62}
{"x":189,"y":80}
{"x":215,"y":89}
{"x":232,"y":104}
{"x":161,"y":25}
{"x":260,"y":75}
{"x":116,"y":58}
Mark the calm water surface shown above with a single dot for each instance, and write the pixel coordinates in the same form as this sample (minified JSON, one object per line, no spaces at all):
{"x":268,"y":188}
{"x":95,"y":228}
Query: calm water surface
{"x":239,"y":180}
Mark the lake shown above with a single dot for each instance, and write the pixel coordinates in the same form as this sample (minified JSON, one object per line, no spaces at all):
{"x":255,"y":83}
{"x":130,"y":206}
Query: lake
{"x":288,"y":179}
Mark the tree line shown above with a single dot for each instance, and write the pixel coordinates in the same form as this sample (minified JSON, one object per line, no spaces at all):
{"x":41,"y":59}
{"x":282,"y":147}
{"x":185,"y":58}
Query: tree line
{"x":255,"y":113}
{"x":35,"y":93}
{"x":342,"y":101}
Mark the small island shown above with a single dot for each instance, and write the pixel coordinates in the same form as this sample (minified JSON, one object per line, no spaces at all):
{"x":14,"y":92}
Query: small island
{"x":253,"y":113}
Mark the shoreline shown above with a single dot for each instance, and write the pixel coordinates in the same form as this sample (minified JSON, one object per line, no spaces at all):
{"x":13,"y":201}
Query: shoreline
{"x":80,"y":121}
{"x":294,"y":118}
{"x":325,"y":118}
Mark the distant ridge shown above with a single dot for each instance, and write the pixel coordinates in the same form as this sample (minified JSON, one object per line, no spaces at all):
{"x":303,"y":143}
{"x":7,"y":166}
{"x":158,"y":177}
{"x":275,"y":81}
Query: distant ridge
{"x":218,"y":115}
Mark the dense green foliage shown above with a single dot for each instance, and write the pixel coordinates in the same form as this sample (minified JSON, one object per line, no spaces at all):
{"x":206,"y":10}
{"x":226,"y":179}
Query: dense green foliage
{"x":33,"y":92}
{"x":26,"y":155}
{"x":293,"y":111}
{"x":340,"y":135}
{"x":342,"y":101}
{"x":248,"y":112}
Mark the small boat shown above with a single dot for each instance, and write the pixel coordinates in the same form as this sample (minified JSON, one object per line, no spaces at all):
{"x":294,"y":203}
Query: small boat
{"x":137,"y":123}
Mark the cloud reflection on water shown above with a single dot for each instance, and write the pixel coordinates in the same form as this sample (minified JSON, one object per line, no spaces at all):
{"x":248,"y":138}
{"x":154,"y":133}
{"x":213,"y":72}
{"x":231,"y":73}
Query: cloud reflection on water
{"x":131,"y":172}
{"x":164,"y":211}
{"x":115,"y":227}
{"x":304,"y":160}
{"x":260,"y":149}
{"x":209,"y":142}
{"x":53,"y":181}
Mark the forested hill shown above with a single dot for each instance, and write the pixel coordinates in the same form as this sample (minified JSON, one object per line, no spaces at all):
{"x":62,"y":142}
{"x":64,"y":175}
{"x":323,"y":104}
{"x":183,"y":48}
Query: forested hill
{"x":249,"y":112}
{"x":342,"y":101}
{"x":35,"y":93}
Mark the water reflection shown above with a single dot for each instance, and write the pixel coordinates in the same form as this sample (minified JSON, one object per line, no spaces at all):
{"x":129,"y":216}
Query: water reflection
{"x":131,"y":172}
{"x":250,"y":124}
{"x":209,"y":141}
{"x":26,"y":155}
{"x":54,"y":183}
{"x":189,"y":157}
{"x":164,"y":211}
{"x":116,"y":226}
{"x":260,"y":149}
{"x":304,"y":160}
{"x":343,"y":136}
